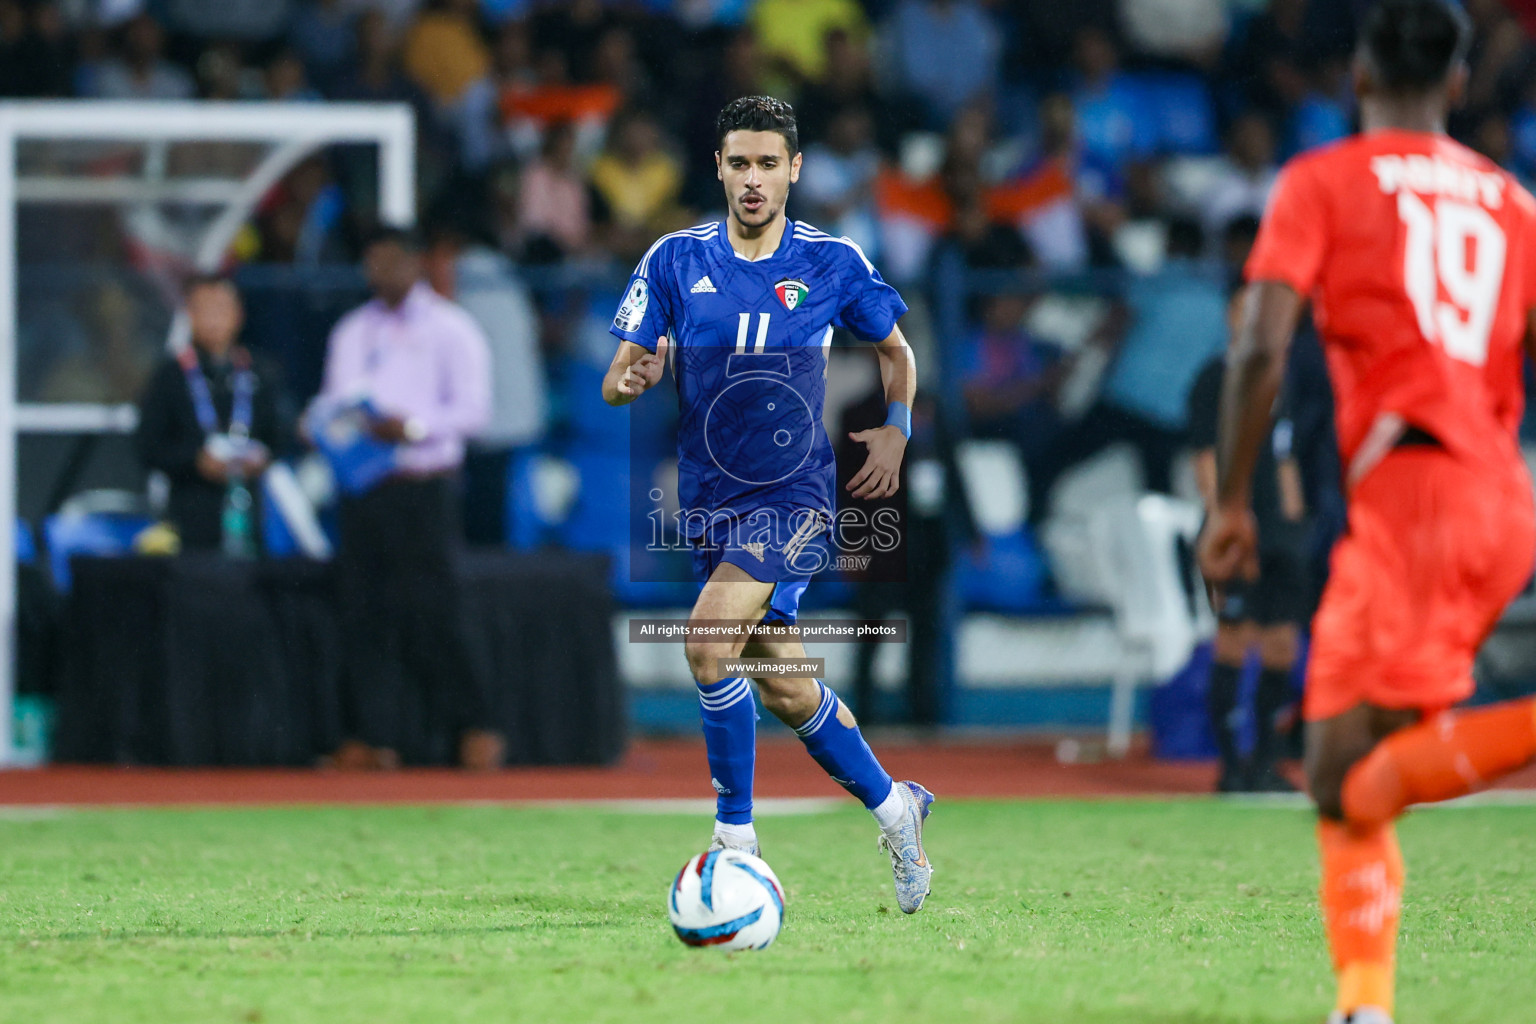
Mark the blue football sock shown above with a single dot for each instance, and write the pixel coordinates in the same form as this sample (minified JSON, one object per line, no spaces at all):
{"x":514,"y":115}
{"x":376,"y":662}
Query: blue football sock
{"x":842,"y":752}
{"x":730,"y":740}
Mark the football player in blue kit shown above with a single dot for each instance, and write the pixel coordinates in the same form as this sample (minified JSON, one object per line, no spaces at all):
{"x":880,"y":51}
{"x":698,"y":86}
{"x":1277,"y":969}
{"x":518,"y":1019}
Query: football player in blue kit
{"x":742,"y":312}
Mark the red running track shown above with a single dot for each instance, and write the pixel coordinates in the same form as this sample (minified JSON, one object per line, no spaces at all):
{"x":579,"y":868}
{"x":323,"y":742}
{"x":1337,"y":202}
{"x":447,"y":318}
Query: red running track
{"x":651,"y":770}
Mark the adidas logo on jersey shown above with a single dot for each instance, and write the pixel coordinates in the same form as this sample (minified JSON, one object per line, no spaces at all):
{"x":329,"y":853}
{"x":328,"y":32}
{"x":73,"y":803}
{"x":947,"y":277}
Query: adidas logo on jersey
{"x":755,"y":549}
{"x":703,"y":284}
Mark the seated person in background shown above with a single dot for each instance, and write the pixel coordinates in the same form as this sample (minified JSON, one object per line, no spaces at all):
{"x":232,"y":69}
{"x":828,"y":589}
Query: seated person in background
{"x":1267,"y":612}
{"x":837,"y":180}
{"x":1175,"y":321}
{"x":637,"y":185}
{"x":1009,"y":380}
{"x":211,"y":416}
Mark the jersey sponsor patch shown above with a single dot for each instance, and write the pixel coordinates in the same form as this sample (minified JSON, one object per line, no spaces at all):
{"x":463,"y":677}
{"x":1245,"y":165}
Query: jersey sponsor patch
{"x":791,"y":292}
{"x":632,"y":310}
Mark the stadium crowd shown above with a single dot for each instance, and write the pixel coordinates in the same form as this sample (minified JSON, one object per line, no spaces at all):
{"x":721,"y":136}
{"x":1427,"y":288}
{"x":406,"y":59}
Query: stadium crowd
{"x":1129,"y":144}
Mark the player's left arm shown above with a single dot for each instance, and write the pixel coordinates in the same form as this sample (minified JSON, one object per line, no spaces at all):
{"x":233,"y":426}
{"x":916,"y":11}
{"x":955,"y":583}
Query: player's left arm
{"x":881,"y":474}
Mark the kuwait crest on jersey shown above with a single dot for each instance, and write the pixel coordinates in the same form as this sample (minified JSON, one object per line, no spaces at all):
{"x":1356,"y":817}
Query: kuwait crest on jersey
{"x":791,"y":292}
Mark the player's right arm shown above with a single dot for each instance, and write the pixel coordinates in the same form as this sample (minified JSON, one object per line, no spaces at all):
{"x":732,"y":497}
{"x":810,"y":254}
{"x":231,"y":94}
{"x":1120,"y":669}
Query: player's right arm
{"x":1283,"y":269}
{"x":642,"y":324}
{"x":634,"y":371}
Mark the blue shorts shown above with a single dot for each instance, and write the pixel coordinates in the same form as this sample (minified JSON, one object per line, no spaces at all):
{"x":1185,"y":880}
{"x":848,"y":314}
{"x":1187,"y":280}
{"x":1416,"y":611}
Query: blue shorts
{"x":785,"y":547}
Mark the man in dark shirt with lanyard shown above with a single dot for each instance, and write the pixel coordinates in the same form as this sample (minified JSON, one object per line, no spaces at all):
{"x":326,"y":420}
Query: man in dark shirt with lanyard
{"x":209,"y":415}
{"x":1266,"y":613}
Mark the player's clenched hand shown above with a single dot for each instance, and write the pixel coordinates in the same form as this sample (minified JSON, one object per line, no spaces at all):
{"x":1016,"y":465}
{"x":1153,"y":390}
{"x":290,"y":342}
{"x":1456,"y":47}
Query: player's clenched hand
{"x":881,"y":474}
{"x":1229,"y":545}
{"x":643,"y":373}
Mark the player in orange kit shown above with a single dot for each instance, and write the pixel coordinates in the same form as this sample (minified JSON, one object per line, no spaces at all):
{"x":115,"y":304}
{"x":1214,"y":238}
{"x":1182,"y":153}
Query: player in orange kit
{"x":1419,"y":258}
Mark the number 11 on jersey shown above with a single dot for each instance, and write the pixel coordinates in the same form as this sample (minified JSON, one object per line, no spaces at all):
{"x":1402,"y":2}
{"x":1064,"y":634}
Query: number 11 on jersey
{"x":762,"y":332}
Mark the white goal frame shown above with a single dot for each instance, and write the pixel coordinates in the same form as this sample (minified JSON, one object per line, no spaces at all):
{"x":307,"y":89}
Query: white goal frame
{"x":295,"y":130}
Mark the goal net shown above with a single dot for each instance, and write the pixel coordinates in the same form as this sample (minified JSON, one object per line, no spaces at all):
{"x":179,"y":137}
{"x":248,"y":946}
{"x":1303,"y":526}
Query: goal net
{"x":105,"y":208}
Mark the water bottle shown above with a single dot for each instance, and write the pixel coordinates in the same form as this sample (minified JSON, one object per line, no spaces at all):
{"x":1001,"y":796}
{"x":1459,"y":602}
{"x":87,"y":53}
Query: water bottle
{"x":236,"y":519}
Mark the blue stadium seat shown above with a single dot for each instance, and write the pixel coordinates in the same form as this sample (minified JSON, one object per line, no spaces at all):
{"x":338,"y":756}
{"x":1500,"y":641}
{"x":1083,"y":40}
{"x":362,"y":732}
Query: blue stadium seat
{"x":26,"y":543}
{"x":1010,"y":576}
{"x":1181,"y":104}
{"x":104,"y":534}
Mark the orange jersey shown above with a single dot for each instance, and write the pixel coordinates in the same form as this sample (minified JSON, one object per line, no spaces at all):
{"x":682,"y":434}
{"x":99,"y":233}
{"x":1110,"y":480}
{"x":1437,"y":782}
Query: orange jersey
{"x":1419,"y":257}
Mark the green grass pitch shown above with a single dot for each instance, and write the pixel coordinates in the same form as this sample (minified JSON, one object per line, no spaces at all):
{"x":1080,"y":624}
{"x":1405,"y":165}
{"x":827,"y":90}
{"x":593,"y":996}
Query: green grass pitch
{"x":1069,"y":913}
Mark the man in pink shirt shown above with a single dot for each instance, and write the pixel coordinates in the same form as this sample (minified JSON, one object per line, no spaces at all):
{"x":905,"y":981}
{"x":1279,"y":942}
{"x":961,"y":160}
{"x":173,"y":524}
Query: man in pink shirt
{"x":424,"y":367}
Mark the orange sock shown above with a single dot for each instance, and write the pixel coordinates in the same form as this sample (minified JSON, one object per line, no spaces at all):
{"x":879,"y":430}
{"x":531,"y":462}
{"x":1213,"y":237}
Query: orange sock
{"x":1361,"y":893}
{"x":1447,"y":756}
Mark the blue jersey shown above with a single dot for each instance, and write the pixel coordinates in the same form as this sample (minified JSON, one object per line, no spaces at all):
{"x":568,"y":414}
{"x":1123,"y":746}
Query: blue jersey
{"x":748,"y":343}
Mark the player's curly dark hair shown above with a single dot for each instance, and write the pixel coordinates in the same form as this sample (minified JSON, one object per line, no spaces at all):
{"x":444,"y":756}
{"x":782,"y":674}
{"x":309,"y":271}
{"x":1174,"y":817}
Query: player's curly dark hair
{"x":1412,"y":45}
{"x":758,"y":114}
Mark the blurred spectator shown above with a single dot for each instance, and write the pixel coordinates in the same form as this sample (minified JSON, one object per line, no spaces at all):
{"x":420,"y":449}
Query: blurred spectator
{"x":286,"y":80}
{"x":117,"y":361}
{"x":1067,"y":202}
{"x":614,"y":63}
{"x":1112,"y":122}
{"x":1177,"y":323}
{"x":837,"y":180}
{"x":1010,"y":380}
{"x":572,"y":29}
{"x":637,"y":184}
{"x":210,"y":416}
{"x":142,"y":73}
{"x":736,"y":71}
{"x":485,"y":284}
{"x":1266,"y":59}
{"x":1045,"y":34}
{"x":554,"y":209}
{"x":1188,"y":32}
{"x":1247,"y":173}
{"x":849,"y":82}
{"x":792,"y":35}
{"x":375,"y":75}
{"x":1323,"y":114}
{"x":245,"y":21}
{"x":913,"y":576}
{"x":1497,"y":43}
{"x":697,"y":14}
{"x":957,"y":205}
{"x":323,"y":35}
{"x":535,"y":90}
{"x":945,"y":53}
{"x":396,"y":14}
{"x":424,"y":365}
{"x":34,"y":52}
{"x":303,"y":220}
{"x":222,"y":76}
{"x":444,"y":53}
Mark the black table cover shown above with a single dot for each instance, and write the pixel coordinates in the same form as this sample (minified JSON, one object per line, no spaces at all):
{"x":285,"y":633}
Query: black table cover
{"x":197,"y":660}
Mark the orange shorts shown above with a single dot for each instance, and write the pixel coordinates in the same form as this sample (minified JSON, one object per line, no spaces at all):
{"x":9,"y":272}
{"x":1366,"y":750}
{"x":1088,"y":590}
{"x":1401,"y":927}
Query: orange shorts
{"x":1435,"y":550}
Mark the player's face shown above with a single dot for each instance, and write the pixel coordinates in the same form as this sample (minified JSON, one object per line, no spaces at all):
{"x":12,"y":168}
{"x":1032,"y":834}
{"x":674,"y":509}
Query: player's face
{"x":757,"y":171}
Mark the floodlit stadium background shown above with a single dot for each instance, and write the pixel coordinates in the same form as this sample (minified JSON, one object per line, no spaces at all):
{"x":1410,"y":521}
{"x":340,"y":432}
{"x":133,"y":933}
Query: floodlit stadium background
{"x":1060,"y":190}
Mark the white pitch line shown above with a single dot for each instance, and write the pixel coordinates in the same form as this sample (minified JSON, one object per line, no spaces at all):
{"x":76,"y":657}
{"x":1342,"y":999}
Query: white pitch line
{"x":771,"y":807}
